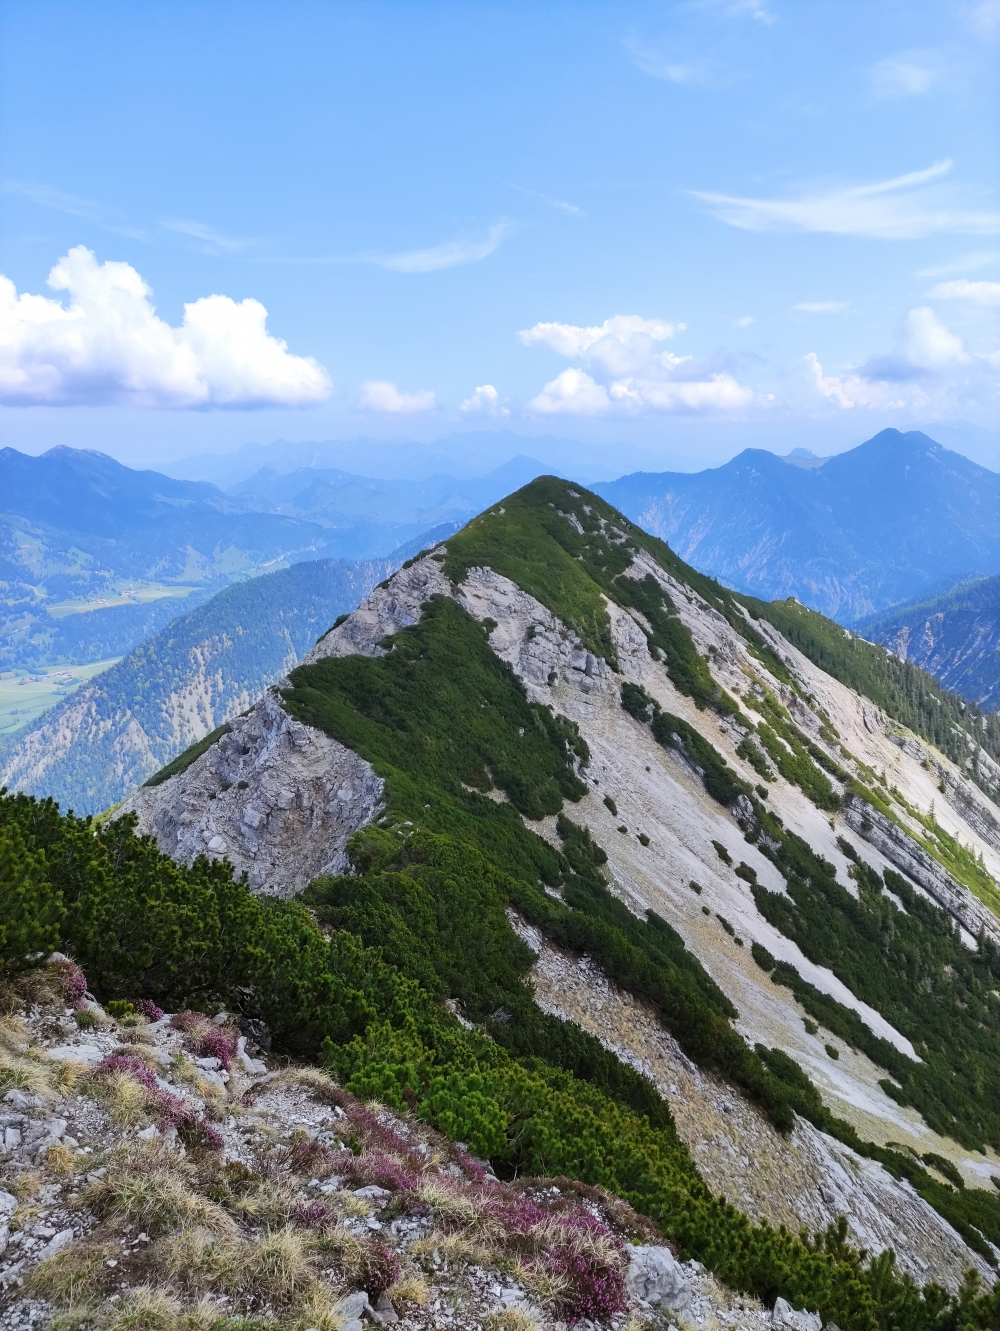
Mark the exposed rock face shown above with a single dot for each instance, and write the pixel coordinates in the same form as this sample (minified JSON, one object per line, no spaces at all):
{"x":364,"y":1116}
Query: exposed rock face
{"x":656,"y":1277}
{"x":276,"y":798}
{"x":801,"y":1181}
{"x":794,"y":1319}
{"x":900,"y":849}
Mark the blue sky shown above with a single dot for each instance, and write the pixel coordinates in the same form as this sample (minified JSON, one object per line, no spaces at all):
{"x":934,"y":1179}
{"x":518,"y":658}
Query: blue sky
{"x":682,"y":227}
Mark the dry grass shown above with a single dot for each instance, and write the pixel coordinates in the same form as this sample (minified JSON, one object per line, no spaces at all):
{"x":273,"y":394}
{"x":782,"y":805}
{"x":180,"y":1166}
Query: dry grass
{"x":59,"y":1159}
{"x":450,"y":1206}
{"x":22,"y":1183}
{"x":268,"y":1202}
{"x":75,"y":1275}
{"x":39,"y":987}
{"x":356,"y":1207}
{"x":192,"y":1258}
{"x":275,"y":1267}
{"x":148,"y":1184}
{"x":410,"y":1289}
{"x":595,"y":1248}
{"x":185,"y":1071}
{"x":24,"y":1067}
{"x":510,"y":1319}
{"x":454,"y":1247}
{"x":144,"y":1308}
{"x":546,"y":1286}
{"x":311,"y":1079}
{"x":320,"y":1310}
{"x":126,"y":1099}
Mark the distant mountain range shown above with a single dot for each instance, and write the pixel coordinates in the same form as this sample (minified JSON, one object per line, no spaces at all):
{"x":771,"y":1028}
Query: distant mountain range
{"x":182,"y":683}
{"x":955,"y":637}
{"x":465,"y":455}
{"x":79,"y":531}
{"x":896,"y":518}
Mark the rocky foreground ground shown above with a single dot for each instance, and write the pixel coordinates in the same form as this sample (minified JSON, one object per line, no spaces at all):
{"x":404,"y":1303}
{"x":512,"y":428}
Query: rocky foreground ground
{"x":160,"y":1172}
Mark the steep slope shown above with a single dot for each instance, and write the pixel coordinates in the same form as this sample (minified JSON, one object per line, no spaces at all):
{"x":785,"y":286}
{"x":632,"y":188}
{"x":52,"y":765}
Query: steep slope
{"x":955,"y":637}
{"x":764,"y":879}
{"x":180,"y":684}
{"x":895,"y":518}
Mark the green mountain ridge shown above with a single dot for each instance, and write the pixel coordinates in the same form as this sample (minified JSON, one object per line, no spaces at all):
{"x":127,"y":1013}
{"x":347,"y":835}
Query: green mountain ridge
{"x":491,"y":805}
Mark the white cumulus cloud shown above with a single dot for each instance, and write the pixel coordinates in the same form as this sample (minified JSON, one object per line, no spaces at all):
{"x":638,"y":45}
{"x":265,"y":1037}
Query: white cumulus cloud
{"x":626,"y":374}
{"x":976,"y":293}
{"x":928,"y":368}
{"x":617,"y":345}
{"x":485,"y":401}
{"x":572,"y":393}
{"x":906,"y":207}
{"x":107,"y":344}
{"x":381,"y":396}
{"x":821,"y":306}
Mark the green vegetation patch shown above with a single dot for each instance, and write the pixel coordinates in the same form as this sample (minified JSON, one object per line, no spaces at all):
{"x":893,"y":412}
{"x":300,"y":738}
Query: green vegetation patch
{"x":909,"y":965}
{"x":443,"y":719}
{"x":184,"y":760}
{"x":566,"y":546}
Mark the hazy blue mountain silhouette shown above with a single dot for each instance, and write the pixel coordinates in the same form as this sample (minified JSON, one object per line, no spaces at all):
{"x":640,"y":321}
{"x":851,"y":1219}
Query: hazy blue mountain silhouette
{"x":897,"y":518}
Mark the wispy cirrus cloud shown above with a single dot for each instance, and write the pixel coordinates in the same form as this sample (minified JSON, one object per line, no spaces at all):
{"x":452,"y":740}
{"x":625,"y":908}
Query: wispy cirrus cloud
{"x":984,"y":19}
{"x":905,"y":207}
{"x":449,"y":254}
{"x":72,"y":205}
{"x":213,"y":242}
{"x":910,"y":74}
{"x":822,"y":306}
{"x":670,"y":67}
{"x":964,"y":263}
{"x":560,"y":205}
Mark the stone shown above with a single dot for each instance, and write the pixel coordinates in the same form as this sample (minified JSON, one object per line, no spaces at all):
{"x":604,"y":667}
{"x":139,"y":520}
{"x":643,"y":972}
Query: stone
{"x":353,"y":1308}
{"x":77,"y":1053}
{"x":18,"y":1100}
{"x":656,"y":1277}
{"x":371,"y":1192}
{"x":794,"y":1319}
{"x":8,"y":1203}
{"x":147,"y":1134}
{"x":385,"y":1313}
{"x":4,"y":1237}
{"x":56,"y":1244}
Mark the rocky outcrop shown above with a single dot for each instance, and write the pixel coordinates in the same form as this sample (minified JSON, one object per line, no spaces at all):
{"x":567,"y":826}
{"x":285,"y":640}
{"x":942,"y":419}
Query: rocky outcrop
{"x":276,"y":798}
{"x":900,"y":849}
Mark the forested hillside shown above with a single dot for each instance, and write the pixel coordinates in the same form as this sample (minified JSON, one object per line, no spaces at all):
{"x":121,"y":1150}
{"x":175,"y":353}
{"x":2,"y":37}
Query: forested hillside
{"x":955,"y":636}
{"x":184,"y":681}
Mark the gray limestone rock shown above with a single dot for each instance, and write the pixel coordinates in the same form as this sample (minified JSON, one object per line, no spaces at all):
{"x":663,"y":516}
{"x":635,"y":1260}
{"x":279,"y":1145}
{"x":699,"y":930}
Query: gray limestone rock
{"x":794,"y":1319}
{"x":656,"y":1277}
